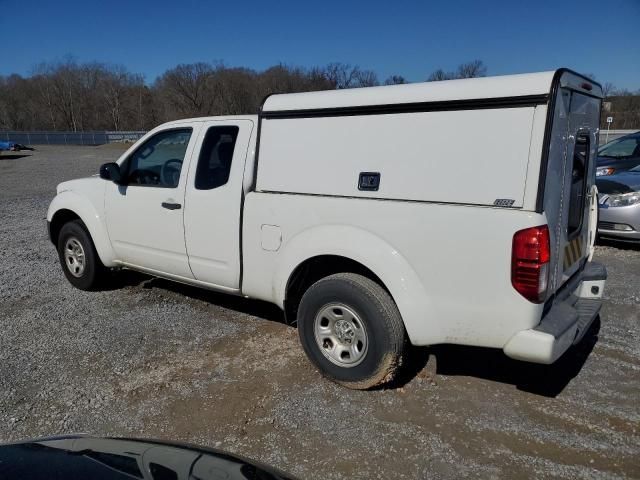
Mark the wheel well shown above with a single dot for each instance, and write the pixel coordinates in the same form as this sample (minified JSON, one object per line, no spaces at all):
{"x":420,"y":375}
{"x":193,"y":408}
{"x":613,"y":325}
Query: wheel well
{"x":314,"y":269}
{"x":59,"y":219}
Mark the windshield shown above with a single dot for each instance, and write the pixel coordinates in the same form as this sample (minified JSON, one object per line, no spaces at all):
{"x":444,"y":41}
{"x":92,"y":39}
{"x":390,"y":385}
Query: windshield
{"x":628,"y":146}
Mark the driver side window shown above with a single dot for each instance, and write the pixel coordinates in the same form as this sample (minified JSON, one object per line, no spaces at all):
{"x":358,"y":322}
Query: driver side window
{"x":158,"y":161}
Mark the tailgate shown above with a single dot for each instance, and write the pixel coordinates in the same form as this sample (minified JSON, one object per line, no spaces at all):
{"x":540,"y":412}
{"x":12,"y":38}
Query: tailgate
{"x":570,"y":200}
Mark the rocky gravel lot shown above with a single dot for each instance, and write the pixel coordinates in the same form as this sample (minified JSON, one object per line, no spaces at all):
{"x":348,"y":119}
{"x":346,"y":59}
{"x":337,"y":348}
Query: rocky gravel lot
{"x":158,"y":360}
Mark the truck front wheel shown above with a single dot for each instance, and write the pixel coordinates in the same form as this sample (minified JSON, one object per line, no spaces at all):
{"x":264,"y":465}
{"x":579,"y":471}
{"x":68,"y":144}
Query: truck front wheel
{"x":78,"y":257}
{"x":351,"y":329}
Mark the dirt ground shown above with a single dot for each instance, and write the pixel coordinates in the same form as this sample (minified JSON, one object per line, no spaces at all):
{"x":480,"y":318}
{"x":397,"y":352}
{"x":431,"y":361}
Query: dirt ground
{"x":160,"y":360}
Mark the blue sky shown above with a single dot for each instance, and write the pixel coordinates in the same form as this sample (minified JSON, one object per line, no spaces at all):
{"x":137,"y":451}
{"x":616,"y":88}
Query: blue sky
{"x":392,"y":37}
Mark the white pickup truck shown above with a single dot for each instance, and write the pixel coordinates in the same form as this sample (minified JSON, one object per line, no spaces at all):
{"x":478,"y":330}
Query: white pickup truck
{"x":459,"y":212}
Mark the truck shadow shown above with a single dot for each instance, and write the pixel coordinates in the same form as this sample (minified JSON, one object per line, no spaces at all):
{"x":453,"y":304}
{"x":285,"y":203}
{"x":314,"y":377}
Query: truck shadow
{"x":494,"y":365}
{"x":256,"y":308}
{"x":451,"y":360}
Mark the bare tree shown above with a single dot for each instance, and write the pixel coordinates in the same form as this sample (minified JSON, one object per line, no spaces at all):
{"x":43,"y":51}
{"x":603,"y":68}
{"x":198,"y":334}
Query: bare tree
{"x":607,"y":89}
{"x":43,"y":86}
{"x":395,"y":80}
{"x":625,"y":110}
{"x":344,"y":75}
{"x":74,"y":96}
{"x":365,"y":78}
{"x":116,"y":85}
{"x":440,"y":75}
{"x":340,"y":75}
{"x":16,"y":104}
{"x":65,"y":91}
{"x":185,"y":88}
{"x":473,"y":69}
{"x":287,"y":79}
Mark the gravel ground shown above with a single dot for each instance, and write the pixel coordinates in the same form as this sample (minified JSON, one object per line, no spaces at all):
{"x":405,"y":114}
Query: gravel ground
{"x":158,"y":360}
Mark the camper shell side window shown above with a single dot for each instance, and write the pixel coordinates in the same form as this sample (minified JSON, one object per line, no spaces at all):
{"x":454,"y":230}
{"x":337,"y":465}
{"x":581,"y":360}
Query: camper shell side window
{"x":579,"y":175}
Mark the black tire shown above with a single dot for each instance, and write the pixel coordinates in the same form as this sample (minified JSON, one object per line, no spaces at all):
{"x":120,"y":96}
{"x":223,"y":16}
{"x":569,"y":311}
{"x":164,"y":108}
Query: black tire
{"x":373,"y":306}
{"x":93,"y":271}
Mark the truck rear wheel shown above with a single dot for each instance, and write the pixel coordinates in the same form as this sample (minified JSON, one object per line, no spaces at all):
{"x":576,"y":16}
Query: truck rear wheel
{"x":78,"y":257}
{"x":351,"y":329}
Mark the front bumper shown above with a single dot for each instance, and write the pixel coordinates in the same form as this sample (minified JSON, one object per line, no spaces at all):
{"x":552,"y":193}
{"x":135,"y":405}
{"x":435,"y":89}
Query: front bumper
{"x":612,"y":217}
{"x":566,"y":321}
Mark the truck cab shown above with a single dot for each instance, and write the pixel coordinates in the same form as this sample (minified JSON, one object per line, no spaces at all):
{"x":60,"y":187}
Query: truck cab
{"x":150,"y":221}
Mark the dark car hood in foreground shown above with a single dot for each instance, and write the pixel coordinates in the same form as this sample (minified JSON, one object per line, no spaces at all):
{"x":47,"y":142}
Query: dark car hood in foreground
{"x":619,"y":183}
{"x":82,"y":457}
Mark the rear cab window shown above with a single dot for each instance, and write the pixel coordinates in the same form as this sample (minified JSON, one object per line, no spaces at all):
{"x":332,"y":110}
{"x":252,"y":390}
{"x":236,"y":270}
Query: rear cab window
{"x":216,"y":155}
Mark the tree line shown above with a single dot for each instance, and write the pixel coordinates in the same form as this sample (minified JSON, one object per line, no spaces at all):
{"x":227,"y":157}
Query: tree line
{"x":624,"y":107}
{"x":74,"y":96}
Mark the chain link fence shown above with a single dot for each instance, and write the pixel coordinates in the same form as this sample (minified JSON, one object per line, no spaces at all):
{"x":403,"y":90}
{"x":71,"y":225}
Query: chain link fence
{"x":606,"y":137}
{"x":69,"y":138}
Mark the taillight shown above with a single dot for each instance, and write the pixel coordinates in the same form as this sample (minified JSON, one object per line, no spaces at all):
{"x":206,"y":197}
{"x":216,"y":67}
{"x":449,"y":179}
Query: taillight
{"x":530,"y":263}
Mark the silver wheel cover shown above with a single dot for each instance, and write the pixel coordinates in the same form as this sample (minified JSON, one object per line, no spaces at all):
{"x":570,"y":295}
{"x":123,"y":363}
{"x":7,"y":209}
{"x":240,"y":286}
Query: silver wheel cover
{"x":340,"y":335}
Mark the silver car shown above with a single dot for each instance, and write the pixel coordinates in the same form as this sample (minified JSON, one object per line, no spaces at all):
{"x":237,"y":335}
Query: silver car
{"x":619,"y":199}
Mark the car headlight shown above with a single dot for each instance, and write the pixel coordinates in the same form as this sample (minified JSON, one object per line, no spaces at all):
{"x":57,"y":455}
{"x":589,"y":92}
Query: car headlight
{"x":624,"y":199}
{"x":602,"y":171}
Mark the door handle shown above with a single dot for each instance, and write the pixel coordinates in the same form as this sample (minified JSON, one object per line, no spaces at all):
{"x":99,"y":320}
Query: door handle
{"x":171,"y":206}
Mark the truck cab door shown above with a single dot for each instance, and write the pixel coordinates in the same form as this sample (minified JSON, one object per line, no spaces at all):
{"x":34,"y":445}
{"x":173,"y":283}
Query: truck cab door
{"x":213,"y":202}
{"x":144,"y":214}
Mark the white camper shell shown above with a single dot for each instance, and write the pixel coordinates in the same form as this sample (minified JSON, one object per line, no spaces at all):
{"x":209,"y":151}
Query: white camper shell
{"x":461,"y":211}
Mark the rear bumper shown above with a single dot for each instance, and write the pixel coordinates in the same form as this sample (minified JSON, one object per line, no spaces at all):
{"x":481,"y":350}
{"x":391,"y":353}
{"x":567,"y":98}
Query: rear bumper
{"x":566,"y":321}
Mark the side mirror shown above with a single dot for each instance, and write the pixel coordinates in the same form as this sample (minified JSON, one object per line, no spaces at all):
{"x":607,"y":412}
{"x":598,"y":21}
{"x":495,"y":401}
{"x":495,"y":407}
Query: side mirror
{"x":111,"y":171}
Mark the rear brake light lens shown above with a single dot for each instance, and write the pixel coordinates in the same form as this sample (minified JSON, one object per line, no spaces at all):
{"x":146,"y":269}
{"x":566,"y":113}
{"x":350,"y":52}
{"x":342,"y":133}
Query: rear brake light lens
{"x":530,"y":258}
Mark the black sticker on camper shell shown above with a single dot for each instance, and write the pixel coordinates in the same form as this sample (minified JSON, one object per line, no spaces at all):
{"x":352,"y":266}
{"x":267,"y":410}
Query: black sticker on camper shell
{"x":504,"y":202}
